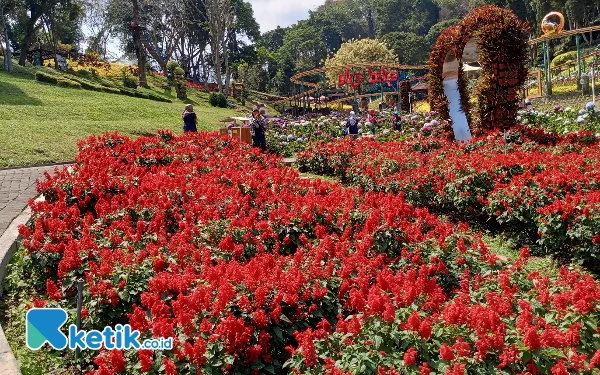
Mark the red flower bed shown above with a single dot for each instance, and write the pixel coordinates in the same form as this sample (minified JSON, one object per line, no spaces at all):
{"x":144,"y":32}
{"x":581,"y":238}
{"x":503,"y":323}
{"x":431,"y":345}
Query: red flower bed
{"x":246,"y":265}
{"x":540,"y":191}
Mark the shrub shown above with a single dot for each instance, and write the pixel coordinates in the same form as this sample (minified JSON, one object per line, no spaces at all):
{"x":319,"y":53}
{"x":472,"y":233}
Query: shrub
{"x":127,"y":92}
{"x":344,"y":279}
{"x":563,"y":58}
{"x":143,"y":95}
{"x":46,"y":78}
{"x":83,"y":73}
{"x":63,"y":82}
{"x":87,"y":85}
{"x":130,"y":82}
{"x":217,"y":99}
{"x":112,"y":90}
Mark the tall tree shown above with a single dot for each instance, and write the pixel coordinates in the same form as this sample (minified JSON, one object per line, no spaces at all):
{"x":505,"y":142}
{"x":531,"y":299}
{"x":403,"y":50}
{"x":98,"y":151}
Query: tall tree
{"x":243,"y":26}
{"x":359,"y":51}
{"x":273,"y":40}
{"x":35,"y":10}
{"x":137,"y":42}
{"x":99,"y":24}
{"x":417,"y":16}
{"x":219,"y":15}
{"x":5,"y":7}
{"x":62,"y":25}
{"x":337,"y":25}
{"x":408,"y":46}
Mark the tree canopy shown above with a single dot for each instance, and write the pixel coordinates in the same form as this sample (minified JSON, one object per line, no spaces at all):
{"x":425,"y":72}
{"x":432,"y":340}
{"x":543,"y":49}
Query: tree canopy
{"x":359,"y":51}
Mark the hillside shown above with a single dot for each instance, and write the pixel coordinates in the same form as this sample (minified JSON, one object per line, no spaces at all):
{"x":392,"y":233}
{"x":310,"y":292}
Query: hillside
{"x":42,"y":123}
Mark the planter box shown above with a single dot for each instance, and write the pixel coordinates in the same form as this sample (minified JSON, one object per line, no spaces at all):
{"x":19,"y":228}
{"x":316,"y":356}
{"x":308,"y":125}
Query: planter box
{"x":240,"y":133}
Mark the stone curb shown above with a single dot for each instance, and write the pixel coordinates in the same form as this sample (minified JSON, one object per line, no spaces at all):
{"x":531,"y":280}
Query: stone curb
{"x":9,"y":243}
{"x":60,"y":164}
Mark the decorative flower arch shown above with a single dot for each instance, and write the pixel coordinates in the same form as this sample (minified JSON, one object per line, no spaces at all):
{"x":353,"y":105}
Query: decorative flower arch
{"x":501,"y":40}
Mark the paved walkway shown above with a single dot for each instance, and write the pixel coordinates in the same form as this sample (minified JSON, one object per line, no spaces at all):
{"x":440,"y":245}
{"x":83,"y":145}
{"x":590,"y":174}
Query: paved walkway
{"x":16,"y":187}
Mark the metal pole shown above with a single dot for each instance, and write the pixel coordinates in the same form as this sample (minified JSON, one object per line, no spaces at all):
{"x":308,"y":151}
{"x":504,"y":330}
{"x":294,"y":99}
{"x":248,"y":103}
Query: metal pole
{"x":79,"y":303}
{"x":303,"y":99}
{"x":381,"y":83}
{"x":325,"y":88}
{"x":593,"y":83}
{"x":398,"y":89}
{"x":547,"y":67}
{"x":355,"y":100}
{"x":578,"y":62}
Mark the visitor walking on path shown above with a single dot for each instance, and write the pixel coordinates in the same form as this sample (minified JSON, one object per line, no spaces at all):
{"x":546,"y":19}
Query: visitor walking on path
{"x":352,"y":125}
{"x":258,"y":127}
{"x":397,"y":121}
{"x":190,"y":120}
{"x":372,"y":120}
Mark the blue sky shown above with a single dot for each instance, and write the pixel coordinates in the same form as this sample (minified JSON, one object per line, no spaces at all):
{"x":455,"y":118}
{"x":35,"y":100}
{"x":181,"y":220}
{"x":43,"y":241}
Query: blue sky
{"x":271,"y":13}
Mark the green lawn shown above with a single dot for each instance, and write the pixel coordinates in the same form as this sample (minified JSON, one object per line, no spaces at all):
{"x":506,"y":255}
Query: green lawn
{"x":42,"y":123}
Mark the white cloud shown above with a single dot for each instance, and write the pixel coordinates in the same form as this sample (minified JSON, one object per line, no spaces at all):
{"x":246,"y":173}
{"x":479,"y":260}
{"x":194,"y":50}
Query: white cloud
{"x":272,"y":13}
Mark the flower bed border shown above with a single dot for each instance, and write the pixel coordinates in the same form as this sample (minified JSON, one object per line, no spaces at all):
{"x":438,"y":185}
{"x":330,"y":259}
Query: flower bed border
{"x":9,"y":243}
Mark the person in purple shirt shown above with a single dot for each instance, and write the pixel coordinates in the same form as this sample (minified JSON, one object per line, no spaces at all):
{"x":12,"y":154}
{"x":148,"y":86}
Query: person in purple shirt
{"x":190,"y":120}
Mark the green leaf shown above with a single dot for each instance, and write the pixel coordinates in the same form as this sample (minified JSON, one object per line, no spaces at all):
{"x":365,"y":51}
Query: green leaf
{"x":377,"y":341}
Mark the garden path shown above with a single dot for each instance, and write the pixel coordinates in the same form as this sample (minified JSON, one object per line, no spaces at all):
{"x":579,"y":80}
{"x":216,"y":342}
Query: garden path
{"x":17,"y":185}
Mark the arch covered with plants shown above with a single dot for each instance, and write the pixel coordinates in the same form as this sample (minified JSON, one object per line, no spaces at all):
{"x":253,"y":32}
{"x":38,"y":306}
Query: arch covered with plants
{"x":501,"y":40}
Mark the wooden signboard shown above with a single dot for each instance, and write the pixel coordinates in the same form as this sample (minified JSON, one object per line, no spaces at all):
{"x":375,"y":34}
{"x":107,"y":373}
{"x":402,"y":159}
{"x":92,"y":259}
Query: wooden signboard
{"x":534,"y":88}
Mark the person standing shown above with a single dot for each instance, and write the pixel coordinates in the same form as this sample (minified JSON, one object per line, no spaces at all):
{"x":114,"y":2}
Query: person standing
{"x":258,"y":127}
{"x":397,"y":121}
{"x":352,"y":125}
{"x":190,"y":120}
{"x":372,"y":120}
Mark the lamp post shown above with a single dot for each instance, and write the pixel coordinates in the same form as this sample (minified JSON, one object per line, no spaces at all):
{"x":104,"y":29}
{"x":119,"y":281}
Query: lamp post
{"x":593,"y":82}
{"x":594,"y":62}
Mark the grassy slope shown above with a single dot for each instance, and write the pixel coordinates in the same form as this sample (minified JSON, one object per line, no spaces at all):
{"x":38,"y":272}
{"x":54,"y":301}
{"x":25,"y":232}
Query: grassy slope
{"x":42,"y":123}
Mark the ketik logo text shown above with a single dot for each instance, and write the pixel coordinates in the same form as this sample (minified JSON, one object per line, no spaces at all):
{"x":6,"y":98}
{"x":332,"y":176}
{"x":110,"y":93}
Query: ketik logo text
{"x":375,"y":76}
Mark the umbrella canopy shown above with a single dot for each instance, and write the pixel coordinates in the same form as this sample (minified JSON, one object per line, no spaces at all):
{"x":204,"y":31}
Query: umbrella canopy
{"x":471,"y":67}
{"x":419,"y":87}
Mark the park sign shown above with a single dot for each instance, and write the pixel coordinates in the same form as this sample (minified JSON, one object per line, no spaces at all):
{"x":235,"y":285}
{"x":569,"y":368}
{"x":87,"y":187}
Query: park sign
{"x":375,"y":76}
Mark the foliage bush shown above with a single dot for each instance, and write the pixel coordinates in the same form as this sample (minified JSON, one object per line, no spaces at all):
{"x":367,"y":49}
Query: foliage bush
{"x":143,"y":95}
{"x":84,"y":73}
{"x":46,"y":78}
{"x":564,"y":58}
{"x":359,"y":51}
{"x":87,"y":85}
{"x":541,"y":188}
{"x":217,"y":99}
{"x":111,"y":90}
{"x":130,"y":82}
{"x":253,"y":269}
{"x":63,"y":82}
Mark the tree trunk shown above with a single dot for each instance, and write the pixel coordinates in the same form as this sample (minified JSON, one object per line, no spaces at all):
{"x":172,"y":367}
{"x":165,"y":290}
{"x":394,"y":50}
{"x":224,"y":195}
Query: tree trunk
{"x":137,"y":42}
{"x":227,"y":75}
{"x":218,"y":77}
{"x":7,"y":54}
{"x":27,"y":39}
{"x":204,"y":72}
{"x":371,"y":24}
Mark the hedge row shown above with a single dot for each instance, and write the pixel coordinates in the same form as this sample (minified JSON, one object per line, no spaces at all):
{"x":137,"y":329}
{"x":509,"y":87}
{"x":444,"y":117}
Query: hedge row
{"x":74,"y":82}
{"x":139,"y":94}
